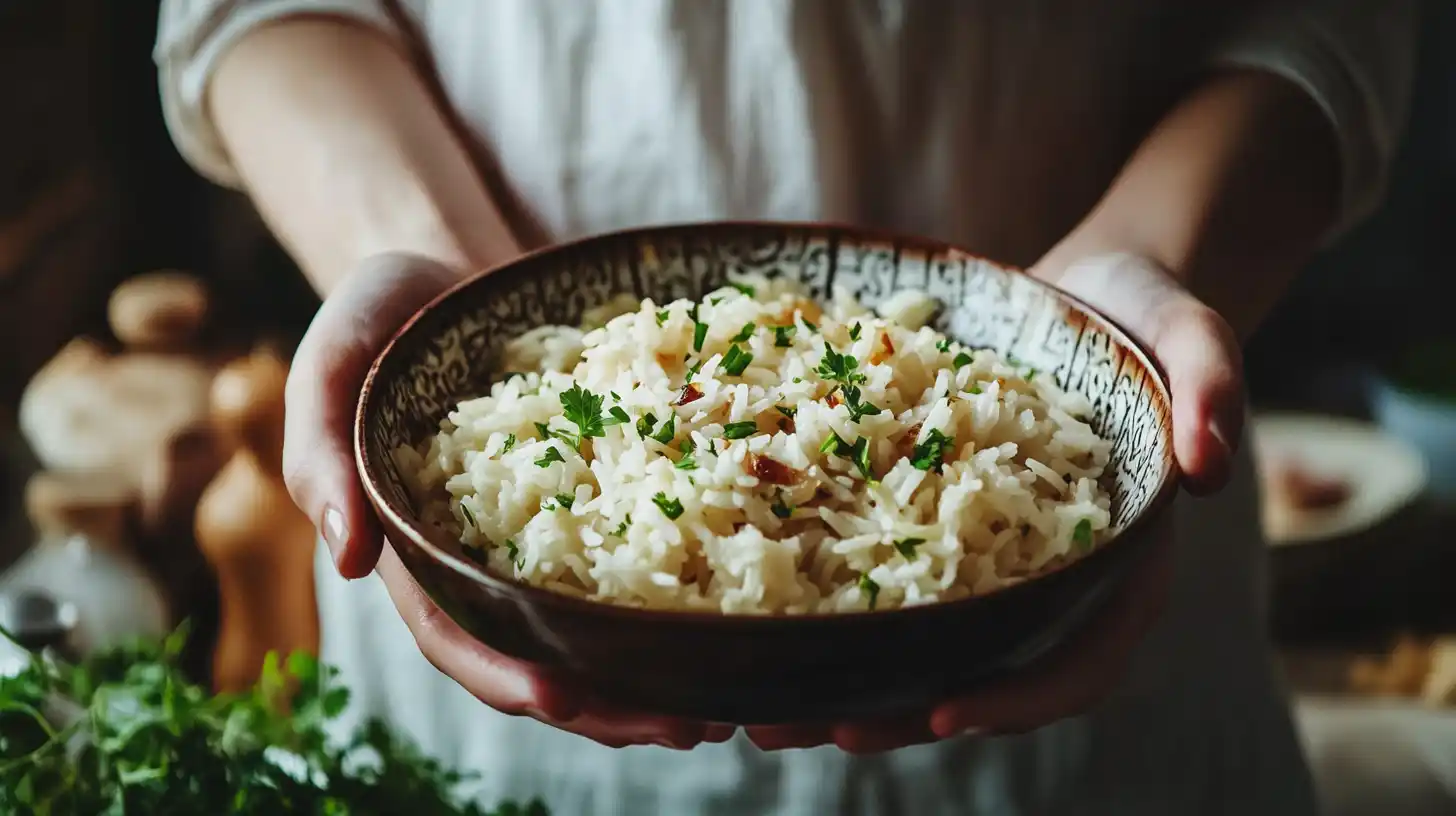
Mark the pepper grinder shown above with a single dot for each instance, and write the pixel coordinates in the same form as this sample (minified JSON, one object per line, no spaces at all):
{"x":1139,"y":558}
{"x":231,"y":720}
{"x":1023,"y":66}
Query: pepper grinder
{"x":258,"y":543}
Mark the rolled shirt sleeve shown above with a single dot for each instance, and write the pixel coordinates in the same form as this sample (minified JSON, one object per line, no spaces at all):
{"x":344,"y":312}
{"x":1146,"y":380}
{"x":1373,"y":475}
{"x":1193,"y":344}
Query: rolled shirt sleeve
{"x":192,"y":37}
{"x":1355,"y":58}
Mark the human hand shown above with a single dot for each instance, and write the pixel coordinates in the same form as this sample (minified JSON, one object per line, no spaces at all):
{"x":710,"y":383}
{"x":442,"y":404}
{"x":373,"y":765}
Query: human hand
{"x":328,"y":370}
{"x":1201,"y":357}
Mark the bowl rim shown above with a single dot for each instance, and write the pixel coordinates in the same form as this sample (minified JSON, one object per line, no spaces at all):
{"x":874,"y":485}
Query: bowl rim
{"x":393,"y":518}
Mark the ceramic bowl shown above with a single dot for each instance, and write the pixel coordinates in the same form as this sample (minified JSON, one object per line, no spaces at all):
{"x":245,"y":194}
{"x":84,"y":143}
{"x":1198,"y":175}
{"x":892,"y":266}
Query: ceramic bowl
{"x":767,"y":669}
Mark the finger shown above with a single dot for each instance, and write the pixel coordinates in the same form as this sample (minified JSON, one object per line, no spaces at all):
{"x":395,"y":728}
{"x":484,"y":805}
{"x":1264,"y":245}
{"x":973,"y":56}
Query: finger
{"x":783,"y":737}
{"x":1193,"y":344}
{"x":884,"y":733}
{"x":1076,"y":676}
{"x":514,"y":687}
{"x":328,"y":369}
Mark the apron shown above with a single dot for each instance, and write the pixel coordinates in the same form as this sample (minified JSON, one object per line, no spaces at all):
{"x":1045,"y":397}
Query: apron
{"x":993,"y":125}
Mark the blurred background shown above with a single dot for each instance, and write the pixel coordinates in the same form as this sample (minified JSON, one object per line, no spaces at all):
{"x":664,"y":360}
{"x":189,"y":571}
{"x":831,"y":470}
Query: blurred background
{"x":106,"y":368}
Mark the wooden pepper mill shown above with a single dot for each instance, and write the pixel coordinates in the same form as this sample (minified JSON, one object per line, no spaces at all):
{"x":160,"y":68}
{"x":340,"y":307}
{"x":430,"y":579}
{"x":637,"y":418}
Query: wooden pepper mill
{"x":259,"y":544}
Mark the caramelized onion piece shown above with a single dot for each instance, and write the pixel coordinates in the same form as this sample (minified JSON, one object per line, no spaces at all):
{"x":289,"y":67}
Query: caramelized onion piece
{"x":689,"y":393}
{"x":768,"y":469}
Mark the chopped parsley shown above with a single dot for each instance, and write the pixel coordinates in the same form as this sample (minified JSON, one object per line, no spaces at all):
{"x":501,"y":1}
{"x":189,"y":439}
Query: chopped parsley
{"x":743,"y":287}
{"x":810,"y":326}
{"x":943,"y":345}
{"x":566,"y":500}
{"x":672,"y":508}
{"x":975,"y":388}
{"x":688,"y":460}
{"x":700,"y":330}
{"x":854,"y":332}
{"x":784,"y":336}
{"x":839,"y":368}
{"x":621,"y":531}
{"x":645,"y":423}
{"x":584,"y":410}
{"x":667,"y":431}
{"x":930,"y":454}
{"x":469,"y":516}
{"x":1030,"y":372}
{"x":740,"y":430}
{"x":868,"y":586}
{"x":736,"y":360}
{"x":906,"y":547}
{"x":961,"y":361}
{"x":553,"y":454}
{"x":693,"y":370}
{"x":512,"y":551}
{"x":744,"y":333}
{"x":858,"y":453}
{"x":1081,"y":534}
{"x":663,"y":315}
{"x":545,"y":431}
{"x":787,"y":410}
{"x":509,"y":443}
{"x":616,"y":416}
{"x":857,"y":409}
{"x":781,"y":509}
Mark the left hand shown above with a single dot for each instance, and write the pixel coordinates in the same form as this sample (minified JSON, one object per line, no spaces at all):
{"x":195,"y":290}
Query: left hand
{"x":1200,"y":354}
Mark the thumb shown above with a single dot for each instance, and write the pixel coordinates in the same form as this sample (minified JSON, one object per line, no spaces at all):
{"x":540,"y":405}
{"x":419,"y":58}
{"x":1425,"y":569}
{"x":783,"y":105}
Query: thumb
{"x":1194,"y":345}
{"x":328,"y":370}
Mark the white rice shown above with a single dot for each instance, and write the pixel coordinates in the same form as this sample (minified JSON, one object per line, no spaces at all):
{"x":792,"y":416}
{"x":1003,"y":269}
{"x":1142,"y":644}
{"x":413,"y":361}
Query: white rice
{"x":1017,"y":491}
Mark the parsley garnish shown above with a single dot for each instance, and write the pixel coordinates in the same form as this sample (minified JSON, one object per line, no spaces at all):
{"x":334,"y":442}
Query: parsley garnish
{"x":644,"y":425}
{"x":810,"y":326}
{"x":667,"y":431}
{"x":693,"y":370}
{"x":616,"y":416}
{"x":744,"y":333}
{"x":469,"y":516}
{"x":839,"y":368}
{"x":736,"y":360}
{"x":783,"y":336}
{"x":961,"y":361}
{"x":663,"y":315}
{"x":943,"y":345}
{"x":672,"y":508}
{"x":854,"y":332}
{"x":930,"y":454}
{"x":545,"y":431}
{"x":700,"y":330}
{"x":1082,"y":535}
{"x":781,"y":509}
{"x":787,"y":410}
{"x":512,"y":552}
{"x":740,"y":430}
{"x":584,"y":410}
{"x":857,"y":409}
{"x":688,"y":461}
{"x":621,"y":531}
{"x":858,"y":453}
{"x":906,"y":547}
{"x":742,"y":287}
{"x":868,"y":586}
{"x":1030,"y":372}
{"x":566,"y":500}
{"x":552,"y":455}
{"x":509,"y":443}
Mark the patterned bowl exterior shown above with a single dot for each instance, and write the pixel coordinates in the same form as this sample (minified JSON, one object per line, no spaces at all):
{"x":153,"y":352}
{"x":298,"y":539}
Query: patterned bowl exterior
{"x":758,"y":669}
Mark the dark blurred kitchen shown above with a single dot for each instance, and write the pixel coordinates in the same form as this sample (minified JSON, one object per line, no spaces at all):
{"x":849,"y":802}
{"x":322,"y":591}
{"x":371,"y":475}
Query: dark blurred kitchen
{"x":1352,"y":380}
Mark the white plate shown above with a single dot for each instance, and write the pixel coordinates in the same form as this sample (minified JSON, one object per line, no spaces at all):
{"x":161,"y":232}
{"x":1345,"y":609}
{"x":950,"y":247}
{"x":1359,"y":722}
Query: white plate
{"x":1384,"y":474}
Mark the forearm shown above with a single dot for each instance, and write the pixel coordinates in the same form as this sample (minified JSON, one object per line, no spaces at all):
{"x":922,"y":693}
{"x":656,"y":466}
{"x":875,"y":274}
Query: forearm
{"x":346,"y":155}
{"x":1233,"y":191}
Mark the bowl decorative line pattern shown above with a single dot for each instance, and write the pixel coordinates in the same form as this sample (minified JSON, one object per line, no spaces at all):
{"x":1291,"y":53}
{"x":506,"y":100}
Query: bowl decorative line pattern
{"x":449,"y":352}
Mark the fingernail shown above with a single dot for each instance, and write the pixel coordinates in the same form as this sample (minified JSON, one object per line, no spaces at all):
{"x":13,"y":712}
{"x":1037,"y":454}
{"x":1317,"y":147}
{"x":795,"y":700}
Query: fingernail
{"x":335,"y":532}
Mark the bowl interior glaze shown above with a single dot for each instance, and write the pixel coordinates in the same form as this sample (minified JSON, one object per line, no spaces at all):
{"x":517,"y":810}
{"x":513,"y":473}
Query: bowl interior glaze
{"x":448,"y":352}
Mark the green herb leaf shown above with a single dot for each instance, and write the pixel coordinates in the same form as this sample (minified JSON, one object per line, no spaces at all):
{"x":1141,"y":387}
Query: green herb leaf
{"x":868,"y":586}
{"x":736,"y":360}
{"x":672,"y":508}
{"x":584,"y":410}
{"x":645,"y":423}
{"x":906,"y":547}
{"x":688,"y":460}
{"x":780,"y":508}
{"x":552,"y":454}
{"x":621,"y":531}
{"x":509,"y":443}
{"x":662,"y":316}
{"x":930,"y":454}
{"x":810,"y":326}
{"x":616,"y":416}
{"x":787,"y":410}
{"x":740,"y":430}
{"x":668,"y":430}
{"x":700,"y":331}
{"x":744,"y":333}
{"x":784,"y":336}
{"x":943,"y":346}
{"x":961,"y":361}
{"x":854,"y":332}
{"x":512,"y":551}
{"x":469,"y":516}
{"x":565,"y":500}
{"x":1082,"y":535}
{"x":857,"y":409}
{"x":693,"y":371}
{"x":840,"y":368}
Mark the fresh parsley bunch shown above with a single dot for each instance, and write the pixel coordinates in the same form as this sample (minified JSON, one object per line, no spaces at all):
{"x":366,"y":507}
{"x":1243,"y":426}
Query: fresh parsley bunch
{"x":124,"y":732}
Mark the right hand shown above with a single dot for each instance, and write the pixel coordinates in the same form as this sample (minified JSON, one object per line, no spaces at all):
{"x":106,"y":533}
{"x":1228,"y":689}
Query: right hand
{"x":328,"y":370}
